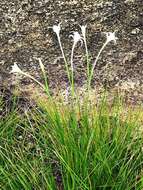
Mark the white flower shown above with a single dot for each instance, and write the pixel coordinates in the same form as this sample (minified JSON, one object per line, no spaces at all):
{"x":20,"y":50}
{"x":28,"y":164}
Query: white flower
{"x":110,"y":36}
{"x":83,"y":30}
{"x":16,"y":69}
{"x":76,"y":37}
{"x":57,"y":28}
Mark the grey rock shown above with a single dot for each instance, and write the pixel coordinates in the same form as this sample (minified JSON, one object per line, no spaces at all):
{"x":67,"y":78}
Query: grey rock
{"x":25,"y":33}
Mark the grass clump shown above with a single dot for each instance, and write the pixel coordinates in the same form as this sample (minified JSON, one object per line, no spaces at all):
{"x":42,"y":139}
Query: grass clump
{"x":71,"y":147}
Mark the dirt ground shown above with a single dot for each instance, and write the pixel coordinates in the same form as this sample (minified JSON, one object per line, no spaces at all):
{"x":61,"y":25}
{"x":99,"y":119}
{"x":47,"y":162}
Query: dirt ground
{"x":25,"y":35}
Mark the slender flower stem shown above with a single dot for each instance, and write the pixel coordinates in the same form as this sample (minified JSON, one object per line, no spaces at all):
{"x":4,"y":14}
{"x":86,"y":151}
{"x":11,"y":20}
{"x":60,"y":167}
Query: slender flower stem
{"x":45,"y":77}
{"x":31,"y":77}
{"x":66,"y":64}
{"x":83,"y":30}
{"x":87,"y":61}
{"x":72,"y":53}
{"x":87,"y":55}
{"x":95,"y":62}
{"x":76,"y":38}
{"x":72,"y":69}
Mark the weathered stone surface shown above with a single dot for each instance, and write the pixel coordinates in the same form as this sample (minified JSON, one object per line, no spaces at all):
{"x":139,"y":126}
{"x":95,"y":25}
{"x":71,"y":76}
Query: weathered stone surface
{"x":25,"y":34}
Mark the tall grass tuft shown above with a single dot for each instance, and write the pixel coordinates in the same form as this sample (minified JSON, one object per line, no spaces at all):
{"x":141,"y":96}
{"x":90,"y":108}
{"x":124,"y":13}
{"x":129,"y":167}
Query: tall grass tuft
{"x":74,"y":146}
{"x":83,"y":146}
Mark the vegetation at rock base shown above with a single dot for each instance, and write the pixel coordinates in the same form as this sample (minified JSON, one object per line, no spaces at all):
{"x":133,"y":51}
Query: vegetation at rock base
{"x":71,"y":146}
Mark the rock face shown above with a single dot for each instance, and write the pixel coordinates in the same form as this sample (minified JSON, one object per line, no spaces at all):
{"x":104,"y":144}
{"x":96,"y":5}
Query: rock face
{"x":25,"y":34}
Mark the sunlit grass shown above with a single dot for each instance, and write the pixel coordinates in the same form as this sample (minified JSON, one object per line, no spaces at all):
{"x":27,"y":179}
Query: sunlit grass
{"x":72,"y":146}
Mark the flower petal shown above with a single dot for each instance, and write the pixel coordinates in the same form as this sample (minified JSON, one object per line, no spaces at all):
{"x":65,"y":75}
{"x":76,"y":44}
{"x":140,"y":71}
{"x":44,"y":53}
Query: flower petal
{"x":110,"y":36}
{"x":57,"y":28}
{"x":76,"y":37}
{"x":15,"y":69}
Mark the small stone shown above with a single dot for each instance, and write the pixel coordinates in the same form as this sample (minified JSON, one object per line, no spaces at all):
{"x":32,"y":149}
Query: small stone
{"x":10,"y":41}
{"x":135,"y":31}
{"x":129,"y":1}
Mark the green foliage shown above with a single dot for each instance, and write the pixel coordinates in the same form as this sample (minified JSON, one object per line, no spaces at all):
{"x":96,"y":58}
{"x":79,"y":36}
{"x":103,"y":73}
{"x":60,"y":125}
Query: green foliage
{"x":71,"y":147}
